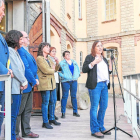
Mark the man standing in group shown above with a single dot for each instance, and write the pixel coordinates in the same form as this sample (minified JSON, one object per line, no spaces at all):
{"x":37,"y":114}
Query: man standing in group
{"x":69,"y":75}
{"x":26,"y":103}
{"x":4,"y":56}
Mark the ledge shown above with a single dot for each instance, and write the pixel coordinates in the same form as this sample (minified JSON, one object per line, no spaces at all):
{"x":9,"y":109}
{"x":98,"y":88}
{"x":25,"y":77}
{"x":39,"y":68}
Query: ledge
{"x":108,"y":21}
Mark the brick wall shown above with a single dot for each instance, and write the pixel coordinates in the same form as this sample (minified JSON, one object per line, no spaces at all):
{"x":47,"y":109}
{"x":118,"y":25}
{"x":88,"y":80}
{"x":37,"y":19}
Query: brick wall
{"x":127,"y":15}
{"x":92,"y":18}
{"x":128,"y":55}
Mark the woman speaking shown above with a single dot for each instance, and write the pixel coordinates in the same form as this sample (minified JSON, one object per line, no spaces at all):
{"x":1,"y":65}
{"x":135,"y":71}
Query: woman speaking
{"x":98,"y":70}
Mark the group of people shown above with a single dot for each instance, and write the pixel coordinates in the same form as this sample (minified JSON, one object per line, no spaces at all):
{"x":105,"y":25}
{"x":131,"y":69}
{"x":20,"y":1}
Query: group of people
{"x":46,"y":72}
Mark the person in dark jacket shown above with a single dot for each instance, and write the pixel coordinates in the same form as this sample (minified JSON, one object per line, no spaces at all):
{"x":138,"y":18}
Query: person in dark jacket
{"x":98,"y":70}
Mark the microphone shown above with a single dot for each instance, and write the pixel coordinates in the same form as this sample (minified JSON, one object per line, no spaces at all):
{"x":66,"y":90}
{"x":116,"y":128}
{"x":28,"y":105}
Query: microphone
{"x":108,"y":49}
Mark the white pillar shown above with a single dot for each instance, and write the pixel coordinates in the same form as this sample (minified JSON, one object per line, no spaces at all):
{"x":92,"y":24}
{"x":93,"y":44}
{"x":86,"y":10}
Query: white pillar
{"x":139,"y":96}
{"x":133,"y":102}
{"x":128,"y":102}
{"x":18,"y":15}
{"x":48,"y":40}
{"x":125,"y":94}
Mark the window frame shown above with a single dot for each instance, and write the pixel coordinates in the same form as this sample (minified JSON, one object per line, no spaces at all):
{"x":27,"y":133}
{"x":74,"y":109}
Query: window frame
{"x":81,"y":60}
{"x":80,"y":9}
{"x":111,"y":7}
{"x":116,"y":59}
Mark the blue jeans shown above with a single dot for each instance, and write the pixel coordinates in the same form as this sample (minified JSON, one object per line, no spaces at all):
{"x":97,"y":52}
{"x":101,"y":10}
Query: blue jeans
{"x":2,"y":101}
{"x":14,"y":113}
{"x":66,"y":86}
{"x":98,"y":97}
{"x":46,"y":96}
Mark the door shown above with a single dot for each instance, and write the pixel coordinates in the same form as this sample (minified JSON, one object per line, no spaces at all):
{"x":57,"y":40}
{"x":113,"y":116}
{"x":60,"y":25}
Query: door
{"x":35,"y":37}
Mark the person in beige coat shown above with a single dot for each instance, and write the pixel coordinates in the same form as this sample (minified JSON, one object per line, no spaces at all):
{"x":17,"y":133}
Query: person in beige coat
{"x":47,"y":84}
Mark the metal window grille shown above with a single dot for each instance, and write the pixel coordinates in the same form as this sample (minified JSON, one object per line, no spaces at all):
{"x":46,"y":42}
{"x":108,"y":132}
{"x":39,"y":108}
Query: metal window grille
{"x":110,"y":9}
{"x":80,"y":9}
{"x":81,"y":61}
{"x":115,"y":53}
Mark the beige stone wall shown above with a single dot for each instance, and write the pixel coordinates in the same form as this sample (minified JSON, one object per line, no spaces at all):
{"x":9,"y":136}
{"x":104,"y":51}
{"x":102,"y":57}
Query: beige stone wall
{"x":128,"y":55}
{"x":127,"y":15}
{"x":92,"y":18}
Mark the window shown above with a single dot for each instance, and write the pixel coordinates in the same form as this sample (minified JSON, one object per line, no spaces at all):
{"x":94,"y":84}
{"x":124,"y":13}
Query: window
{"x":115,"y":54}
{"x":110,"y":9}
{"x":81,"y":61}
{"x":80,"y":9}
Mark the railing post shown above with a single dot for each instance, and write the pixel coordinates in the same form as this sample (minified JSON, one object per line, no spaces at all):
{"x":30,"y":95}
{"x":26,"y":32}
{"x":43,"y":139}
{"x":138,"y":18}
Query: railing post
{"x":133,"y":102}
{"x":7,"y":79}
{"x":125,"y":94}
{"x":128,"y":102}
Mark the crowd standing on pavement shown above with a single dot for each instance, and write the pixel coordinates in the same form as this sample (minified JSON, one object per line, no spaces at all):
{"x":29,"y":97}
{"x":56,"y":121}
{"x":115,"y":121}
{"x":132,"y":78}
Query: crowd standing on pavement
{"x":47,"y":72}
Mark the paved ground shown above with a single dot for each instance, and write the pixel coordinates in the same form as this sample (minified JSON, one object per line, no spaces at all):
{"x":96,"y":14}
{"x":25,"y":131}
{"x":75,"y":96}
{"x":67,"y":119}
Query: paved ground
{"x":73,"y":128}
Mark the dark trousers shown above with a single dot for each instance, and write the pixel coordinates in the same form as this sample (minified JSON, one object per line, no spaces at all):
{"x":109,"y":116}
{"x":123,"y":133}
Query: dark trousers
{"x":14,"y":113}
{"x":2,"y":101}
{"x":24,"y":114}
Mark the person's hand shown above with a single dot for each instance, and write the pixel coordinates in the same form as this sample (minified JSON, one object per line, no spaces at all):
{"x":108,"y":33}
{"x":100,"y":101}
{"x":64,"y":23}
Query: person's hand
{"x":56,"y":60}
{"x":11,"y":73}
{"x":37,"y":82}
{"x":53,"y":67}
{"x":23,"y":87}
{"x":96,"y":61}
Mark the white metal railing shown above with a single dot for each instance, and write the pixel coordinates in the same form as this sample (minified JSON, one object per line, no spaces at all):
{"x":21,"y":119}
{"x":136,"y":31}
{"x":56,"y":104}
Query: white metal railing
{"x":131,"y":87}
{"x":7,"y":79}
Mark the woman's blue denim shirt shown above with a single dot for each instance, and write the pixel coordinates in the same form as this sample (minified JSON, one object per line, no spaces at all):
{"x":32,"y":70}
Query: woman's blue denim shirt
{"x":66,"y":74}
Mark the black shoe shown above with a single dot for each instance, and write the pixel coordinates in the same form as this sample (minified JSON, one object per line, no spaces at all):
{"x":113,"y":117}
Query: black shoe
{"x":54,"y":122}
{"x":104,"y":132}
{"x":98,"y":135}
{"x":56,"y":118}
{"x":63,"y":115}
{"x":76,"y":114}
{"x":47,"y":125}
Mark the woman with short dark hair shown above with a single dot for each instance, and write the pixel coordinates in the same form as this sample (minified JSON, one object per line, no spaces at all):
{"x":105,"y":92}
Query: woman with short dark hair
{"x":98,"y":70}
{"x":19,"y":82}
{"x":47,"y":84}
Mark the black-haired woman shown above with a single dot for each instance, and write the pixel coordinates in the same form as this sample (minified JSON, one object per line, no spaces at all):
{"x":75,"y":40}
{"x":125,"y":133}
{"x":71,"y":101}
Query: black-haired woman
{"x":19,"y":82}
{"x":47,"y":84}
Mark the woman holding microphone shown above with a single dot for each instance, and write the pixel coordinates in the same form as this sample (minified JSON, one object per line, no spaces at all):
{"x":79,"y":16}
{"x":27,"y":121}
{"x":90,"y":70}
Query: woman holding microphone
{"x":98,"y":70}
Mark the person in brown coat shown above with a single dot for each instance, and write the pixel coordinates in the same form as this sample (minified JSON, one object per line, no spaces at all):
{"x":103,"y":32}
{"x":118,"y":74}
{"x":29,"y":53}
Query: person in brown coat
{"x":47,"y":86}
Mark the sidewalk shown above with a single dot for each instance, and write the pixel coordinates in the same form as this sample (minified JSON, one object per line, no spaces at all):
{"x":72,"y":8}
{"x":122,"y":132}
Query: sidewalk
{"x":73,"y":128}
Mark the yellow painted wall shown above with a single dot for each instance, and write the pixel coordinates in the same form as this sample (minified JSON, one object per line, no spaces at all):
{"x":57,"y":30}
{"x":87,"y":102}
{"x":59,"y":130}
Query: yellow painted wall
{"x":69,"y":48}
{"x":136,"y":14}
{"x":111,"y":27}
{"x":80,"y":24}
{"x":55,"y":6}
{"x":68,"y":10}
{"x":81,"y":46}
{"x":137,"y":57}
{"x":55,"y":42}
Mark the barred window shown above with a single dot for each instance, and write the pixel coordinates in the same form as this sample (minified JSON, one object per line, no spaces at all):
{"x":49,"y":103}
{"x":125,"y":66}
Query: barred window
{"x":81,"y":61}
{"x":110,"y":9}
{"x":115,"y":54}
{"x":80,"y":9}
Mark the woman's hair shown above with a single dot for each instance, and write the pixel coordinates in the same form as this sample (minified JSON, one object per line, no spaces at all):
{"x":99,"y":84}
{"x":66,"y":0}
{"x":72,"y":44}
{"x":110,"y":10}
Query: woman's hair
{"x":65,"y":53}
{"x":12,"y":38}
{"x":93,"y":53}
{"x":52,"y":48}
{"x":40,"y":48}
